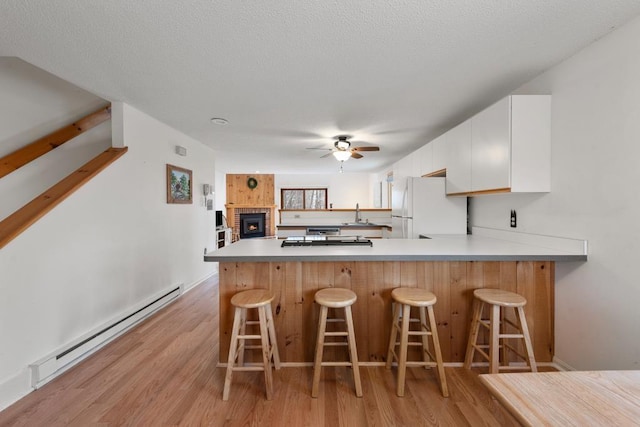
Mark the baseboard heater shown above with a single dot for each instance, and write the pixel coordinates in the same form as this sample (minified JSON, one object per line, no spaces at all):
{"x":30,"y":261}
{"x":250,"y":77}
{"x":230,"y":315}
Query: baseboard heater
{"x":47,"y":368}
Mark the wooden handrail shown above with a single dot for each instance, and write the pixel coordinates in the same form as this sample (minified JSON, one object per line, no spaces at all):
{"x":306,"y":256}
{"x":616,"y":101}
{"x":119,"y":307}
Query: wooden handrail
{"x":24,"y":155}
{"x":24,"y":217}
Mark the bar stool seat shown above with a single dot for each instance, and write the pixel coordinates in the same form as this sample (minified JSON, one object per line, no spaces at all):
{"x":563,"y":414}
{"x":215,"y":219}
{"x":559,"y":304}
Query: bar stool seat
{"x":405,"y":299}
{"x":498,"y":302}
{"x":335,"y":298}
{"x":259,"y":299}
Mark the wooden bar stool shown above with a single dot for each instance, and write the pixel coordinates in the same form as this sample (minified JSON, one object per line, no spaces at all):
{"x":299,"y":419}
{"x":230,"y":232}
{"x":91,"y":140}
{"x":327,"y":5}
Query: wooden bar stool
{"x":242,"y":301}
{"x":498,"y":301}
{"x":335,"y":298}
{"x":405,"y":299}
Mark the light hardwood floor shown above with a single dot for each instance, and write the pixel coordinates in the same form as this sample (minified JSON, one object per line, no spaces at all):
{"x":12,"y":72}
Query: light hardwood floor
{"x":163,"y":372}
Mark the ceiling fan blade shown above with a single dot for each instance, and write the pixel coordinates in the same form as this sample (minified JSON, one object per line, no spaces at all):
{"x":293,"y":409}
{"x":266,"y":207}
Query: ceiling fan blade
{"x":326,"y":155}
{"x":356,"y":155}
{"x":318,"y":148}
{"x":365,"y":149}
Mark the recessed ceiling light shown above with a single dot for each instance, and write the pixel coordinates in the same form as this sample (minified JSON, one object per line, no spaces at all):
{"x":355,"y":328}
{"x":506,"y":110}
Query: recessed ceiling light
{"x":219,"y":121}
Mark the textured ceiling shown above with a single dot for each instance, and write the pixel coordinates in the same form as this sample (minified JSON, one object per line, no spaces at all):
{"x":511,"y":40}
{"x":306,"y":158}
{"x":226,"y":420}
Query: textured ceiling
{"x":289,"y":75}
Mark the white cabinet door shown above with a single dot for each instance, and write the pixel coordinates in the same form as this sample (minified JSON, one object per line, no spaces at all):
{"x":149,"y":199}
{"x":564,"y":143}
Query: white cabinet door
{"x":511,"y":145}
{"x":491,"y":147}
{"x":531,"y":143}
{"x":424,"y":157}
{"x":459,"y":159}
{"x":398,"y":185}
{"x":440,"y":147}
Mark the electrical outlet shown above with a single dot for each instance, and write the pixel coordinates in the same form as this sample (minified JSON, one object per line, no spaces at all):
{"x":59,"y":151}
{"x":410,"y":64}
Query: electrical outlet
{"x":514,"y":221}
{"x":205,"y":251}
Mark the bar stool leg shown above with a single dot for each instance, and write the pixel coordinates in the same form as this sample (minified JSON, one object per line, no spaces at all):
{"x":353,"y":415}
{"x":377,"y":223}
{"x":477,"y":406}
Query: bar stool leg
{"x":353,"y":351}
{"x":402,"y":358}
{"x":522,"y":321}
{"x":473,"y":333}
{"x":425,"y":337}
{"x":504,"y":349}
{"x":494,"y":339}
{"x":322,"y":324}
{"x":394,"y":334}
{"x":438,"y":353}
{"x":243,"y":331}
{"x":233,"y":348}
{"x":266,"y":353}
{"x":272,"y":338}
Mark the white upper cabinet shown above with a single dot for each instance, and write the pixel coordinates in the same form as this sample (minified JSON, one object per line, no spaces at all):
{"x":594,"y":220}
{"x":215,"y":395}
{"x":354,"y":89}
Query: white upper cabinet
{"x":459,"y":159}
{"x":531,"y":143}
{"x":511,"y":145}
{"x":423,"y":160}
{"x":504,"y":148}
{"x":440,"y":149}
{"x":491,"y":147}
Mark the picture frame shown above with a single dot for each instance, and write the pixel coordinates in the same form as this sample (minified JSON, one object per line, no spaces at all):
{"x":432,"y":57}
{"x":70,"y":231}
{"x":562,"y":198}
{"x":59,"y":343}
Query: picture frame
{"x":179,"y":185}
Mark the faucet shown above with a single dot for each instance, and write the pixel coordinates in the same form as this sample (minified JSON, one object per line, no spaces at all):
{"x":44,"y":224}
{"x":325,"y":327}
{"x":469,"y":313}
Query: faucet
{"x":358,"y":219}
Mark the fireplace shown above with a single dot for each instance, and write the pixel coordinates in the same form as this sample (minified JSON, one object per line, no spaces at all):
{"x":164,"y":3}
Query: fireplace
{"x":252,"y":225}
{"x":235,"y":210}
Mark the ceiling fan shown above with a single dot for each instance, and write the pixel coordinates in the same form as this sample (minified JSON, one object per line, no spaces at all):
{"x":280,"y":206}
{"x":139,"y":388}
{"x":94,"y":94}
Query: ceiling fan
{"x":343,"y":150}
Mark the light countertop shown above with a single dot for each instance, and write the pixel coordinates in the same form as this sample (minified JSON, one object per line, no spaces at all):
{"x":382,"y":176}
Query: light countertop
{"x":338,"y":225}
{"x":438,"y":248}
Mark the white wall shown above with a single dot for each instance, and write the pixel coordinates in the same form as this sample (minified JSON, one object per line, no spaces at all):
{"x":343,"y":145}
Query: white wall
{"x":221,"y":192}
{"x":594,"y":196}
{"x":29,"y":111}
{"x":111,"y":245}
{"x":344,"y":189}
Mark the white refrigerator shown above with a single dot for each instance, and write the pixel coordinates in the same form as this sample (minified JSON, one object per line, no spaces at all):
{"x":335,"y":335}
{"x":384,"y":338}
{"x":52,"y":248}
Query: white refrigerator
{"x":419,"y":206}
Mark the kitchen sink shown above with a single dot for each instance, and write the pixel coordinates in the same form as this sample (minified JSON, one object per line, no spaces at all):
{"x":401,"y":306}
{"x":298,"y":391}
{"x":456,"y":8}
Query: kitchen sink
{"x":360,"y":224}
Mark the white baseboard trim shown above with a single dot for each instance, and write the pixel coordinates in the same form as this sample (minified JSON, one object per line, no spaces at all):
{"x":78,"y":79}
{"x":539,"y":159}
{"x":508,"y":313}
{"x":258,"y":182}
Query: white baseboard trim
{"x":195,"y":284}
{"x":561,"y":365}
{"x":14,"y":388}
{"x":69,"y":355}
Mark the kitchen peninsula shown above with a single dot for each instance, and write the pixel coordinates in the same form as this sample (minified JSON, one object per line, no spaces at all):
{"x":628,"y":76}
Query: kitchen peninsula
{"x":449,"y":266}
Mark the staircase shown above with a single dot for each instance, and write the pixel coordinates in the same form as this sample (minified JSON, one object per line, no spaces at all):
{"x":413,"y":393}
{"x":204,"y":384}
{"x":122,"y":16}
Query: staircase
{"x":23,"y":218}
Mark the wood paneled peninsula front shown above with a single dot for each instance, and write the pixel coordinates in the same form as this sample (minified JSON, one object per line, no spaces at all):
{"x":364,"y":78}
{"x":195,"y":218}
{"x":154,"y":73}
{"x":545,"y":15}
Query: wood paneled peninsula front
{"x":449,"y":266}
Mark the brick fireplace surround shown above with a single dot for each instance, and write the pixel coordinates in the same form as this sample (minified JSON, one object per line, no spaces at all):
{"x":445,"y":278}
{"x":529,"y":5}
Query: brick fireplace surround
{"x":234,"y":211}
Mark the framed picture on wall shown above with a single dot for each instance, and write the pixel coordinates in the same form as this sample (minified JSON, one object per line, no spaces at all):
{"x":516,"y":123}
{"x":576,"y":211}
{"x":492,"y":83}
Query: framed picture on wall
{"x":179,"y":185}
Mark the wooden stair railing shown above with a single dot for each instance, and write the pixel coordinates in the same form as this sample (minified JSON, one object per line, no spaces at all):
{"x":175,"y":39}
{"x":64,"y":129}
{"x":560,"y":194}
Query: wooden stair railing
{"x":24,"y":155}
{"x":21,"y":219}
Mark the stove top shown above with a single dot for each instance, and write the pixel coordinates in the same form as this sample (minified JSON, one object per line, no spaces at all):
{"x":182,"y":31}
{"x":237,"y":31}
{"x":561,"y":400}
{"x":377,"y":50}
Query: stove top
{"x":326,"y":241}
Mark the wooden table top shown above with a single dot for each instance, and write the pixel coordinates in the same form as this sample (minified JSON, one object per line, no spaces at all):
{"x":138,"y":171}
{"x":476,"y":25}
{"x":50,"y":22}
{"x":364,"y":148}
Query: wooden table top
{"x":589,"y":398}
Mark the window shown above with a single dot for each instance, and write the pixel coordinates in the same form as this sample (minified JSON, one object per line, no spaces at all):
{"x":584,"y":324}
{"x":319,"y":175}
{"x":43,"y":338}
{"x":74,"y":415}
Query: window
{"x":303,"y":198}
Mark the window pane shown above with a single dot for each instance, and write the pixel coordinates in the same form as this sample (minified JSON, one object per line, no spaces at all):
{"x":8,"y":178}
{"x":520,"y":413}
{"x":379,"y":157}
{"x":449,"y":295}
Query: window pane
{"x":315,"y":199}
{"x":292,"y":199}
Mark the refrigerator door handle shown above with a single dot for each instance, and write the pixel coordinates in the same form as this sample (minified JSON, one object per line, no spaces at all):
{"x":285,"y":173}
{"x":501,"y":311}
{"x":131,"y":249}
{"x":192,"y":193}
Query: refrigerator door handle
{"x":405,"y":208}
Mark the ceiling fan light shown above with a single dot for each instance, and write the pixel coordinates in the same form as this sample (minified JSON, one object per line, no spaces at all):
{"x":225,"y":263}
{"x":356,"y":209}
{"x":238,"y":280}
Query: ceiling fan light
{"x":342,"y":156}
{"x":342,"y":144}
